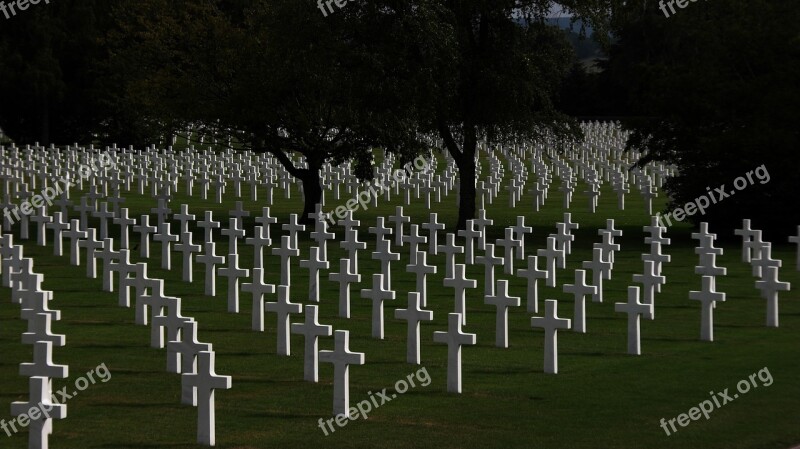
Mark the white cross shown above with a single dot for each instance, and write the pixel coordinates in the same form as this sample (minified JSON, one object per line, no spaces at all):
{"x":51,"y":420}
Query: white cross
{"x":149,"y":295}
{"x":398,"y":219}
{"x":551,"y":253}
{"x":470,"y":235}
{"x":481,"y":223}
{"x":747,"y":235}
{"x":764,"y":260}
{"x":770,"y":286}
{"x":502,"y":301}
{"x":186,"y":349}
{"x":380,"y":230}
{"x":551,"y":324}
{"x":450,"y":249}
{"x":43,"y":363}
{"x":352,"y":246}
{"x":208,"y":224}
{"x":258,"y":242}
{"x":283,"y":308}
{"x":58,"y":225}
{"x":286,"y":252}
{"x":344,"y":277}
{"x":144,"y":230}
{"x":413,"y":314}
{"x":579,"y":290}
{"x":422,"y":270}
{"x":311,"y":330}
{"x":41,"y":219}
{"x":378,"y":294}
{"x":258,"y":288}
{"x":520,"y":231}
{"x":341,"y":358}
{"x":754,"y":245}
{"x":206,"y":381}
{"x":649,"y":280}
{"x":657,"y":258}
{"x":433,"y":228}
{"x":74,"y":235}
{"x":103,"y":214}
{"x":294,"y":227}
{"x":796,"y":240}
{"x":107,"y":255}
{"x":124,"y":223}
{"x":635,"y":310}
{"x":532,"y":273}
{"x":489,"y":261}
{"x":92,"y":246}
{"x":414,"y":240}
{"x":234,"y":233}
{"x":707,"y":297}
{"x":166,"y":239}
{"x":239,"y":213}
{"x":187,"y":249}
{"x":509,"y":244}
{"x":265,"y":220}
{"x":84,"y":209}
{"x":39,"y":329}
{"x":454,"y":338}
{"x":564,"y":238}
{"x":210,"y":260}
{"x":123,"y":267}
{"x":383,"y":253}
{"x":321,"y":235}
{"x":460,"y":283}
{"x":161,"y":211}
{"x":233,"y":273}
{"x":314,"y":264}
{"x":169,"y":319}
{"x":608,"y":246}
{"x":41,"y":426}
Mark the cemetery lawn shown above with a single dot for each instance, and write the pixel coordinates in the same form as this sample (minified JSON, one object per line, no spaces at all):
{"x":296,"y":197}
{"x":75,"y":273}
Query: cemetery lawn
{"x":601,"y":398}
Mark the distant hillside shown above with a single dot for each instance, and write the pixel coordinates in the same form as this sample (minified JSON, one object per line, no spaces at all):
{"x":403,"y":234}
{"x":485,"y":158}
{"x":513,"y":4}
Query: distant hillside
{"x":585,"y":48}
{"x":564,"y":23}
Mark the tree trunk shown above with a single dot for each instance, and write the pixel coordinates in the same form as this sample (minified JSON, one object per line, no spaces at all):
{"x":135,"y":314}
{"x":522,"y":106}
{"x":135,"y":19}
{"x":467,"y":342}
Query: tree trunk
{"x":44,"y":129}
{"x":312,"y":183}
{"x":467,"y":179}
{"x":312,"y":191}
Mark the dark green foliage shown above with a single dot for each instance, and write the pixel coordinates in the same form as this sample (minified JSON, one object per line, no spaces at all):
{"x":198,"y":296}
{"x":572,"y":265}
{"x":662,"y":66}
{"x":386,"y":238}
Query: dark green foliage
{"x":715,"y":87}
{"x":51,"y":90}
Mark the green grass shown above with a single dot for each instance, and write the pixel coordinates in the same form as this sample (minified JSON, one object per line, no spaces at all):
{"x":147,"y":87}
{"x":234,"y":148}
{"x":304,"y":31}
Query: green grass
{"x":601,"y":398}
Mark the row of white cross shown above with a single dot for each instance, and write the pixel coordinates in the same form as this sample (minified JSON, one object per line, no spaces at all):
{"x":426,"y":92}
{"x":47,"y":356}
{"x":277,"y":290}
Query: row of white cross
{"x":591,"y":163}
{"x":186,"y":355}
{"x":599,"y":160}
{"x":26,"y":290}
{"x":496,"y":293}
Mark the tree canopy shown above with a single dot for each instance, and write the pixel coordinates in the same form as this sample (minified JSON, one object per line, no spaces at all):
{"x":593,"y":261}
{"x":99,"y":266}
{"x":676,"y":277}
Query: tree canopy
{"x":714,"y":91}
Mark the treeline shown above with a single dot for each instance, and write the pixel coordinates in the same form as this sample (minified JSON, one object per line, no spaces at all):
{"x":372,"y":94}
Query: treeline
{"x":711,"y":89}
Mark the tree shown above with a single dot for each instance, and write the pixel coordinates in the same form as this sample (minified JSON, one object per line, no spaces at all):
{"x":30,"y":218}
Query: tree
{"x":486,"y":69}
{"x":50,"y":88}
{"x":715,"y":87}
{"x":276,"y":76}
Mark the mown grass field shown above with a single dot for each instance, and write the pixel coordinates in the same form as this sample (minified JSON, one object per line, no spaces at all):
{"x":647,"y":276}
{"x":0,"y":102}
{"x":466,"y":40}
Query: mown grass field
{"x":601,"y":398}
